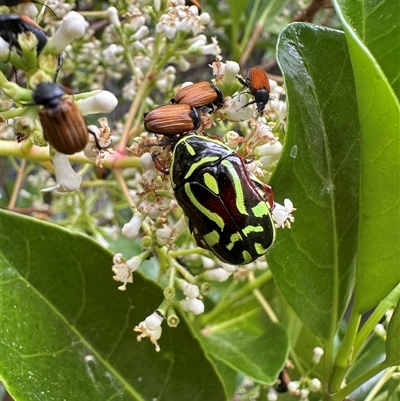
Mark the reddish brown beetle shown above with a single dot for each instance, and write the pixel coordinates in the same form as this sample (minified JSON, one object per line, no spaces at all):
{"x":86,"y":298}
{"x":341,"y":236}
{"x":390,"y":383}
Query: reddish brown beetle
{"x":172,"y":119}
{"x":199,"y":95}
{"x":11,"y":25}
{"x":63,"y":125}
{"x":258,"y":84}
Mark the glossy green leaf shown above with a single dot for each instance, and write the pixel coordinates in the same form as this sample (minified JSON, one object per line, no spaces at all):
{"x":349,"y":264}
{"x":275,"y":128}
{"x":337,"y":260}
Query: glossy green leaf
{"x":312,"y":263}
{"x":393,"y":339}
{"x":372,"y":355}
{"x":378,"y":258}
{"x":250,"y":344}
{"x":377,"y":24}
{"x":68,"y":331}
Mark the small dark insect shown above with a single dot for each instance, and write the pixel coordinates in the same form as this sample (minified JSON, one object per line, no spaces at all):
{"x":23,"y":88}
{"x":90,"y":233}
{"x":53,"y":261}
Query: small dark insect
{"x":258,"y":84}
{"x":200,"y":94}
{"x":172,"y":119}
{"x":11,"y":25}
{"x":63,"y":125}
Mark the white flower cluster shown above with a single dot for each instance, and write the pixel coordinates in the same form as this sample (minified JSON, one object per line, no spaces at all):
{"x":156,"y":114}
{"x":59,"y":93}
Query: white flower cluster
{"x":181,"y":18}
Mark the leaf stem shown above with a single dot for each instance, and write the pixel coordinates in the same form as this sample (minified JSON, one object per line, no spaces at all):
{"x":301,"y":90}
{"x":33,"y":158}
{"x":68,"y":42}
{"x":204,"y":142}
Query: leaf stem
{"x":345,"y":353}
{"x":243,"y":292}
{"x":17,"y":185}
{"x":263,"y":302}
{"x":357,"y":382}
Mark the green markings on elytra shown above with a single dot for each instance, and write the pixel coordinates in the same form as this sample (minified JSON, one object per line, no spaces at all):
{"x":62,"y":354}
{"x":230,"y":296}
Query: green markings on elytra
{"x":212,"y":238}
{"x":204,"y":161}
{"x":247,"y":258}
{"x":252,"y":229}
{"x":234,"y":238}
{"x":261,"y":209}
{"x":238,"y":186}
{"x":190,"y":149}
{"x":260,"y":249}
{"x":211,"y":183}
{"x":211,"y":215}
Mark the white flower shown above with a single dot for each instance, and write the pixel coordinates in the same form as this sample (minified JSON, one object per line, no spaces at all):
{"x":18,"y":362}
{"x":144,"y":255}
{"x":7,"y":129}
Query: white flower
{"x":293,"y":387}
{"x":122,"y":272}
{"x":145,"y":331}
{"x":28,"y":9}
{"x":283,"y":214}
{"x":180,"y":226}
{"x":113,"y":54}
{"x":4,"y":50}
{"x":191,"y":290}
{"x":146,"y":162}
{"x":131,"y":230}
{"x":232,"y":68}
{"x":154,"y":321}
{"x":218,"y":274}
{"x":235,"y":109}
{"x":380,"y":330}
{"x":67,"y":179}
{"x":272,"y":394}
{"x":315,"y":384}
{"x":197,"y":43}
{"x":212,"y":48}
{"x":100,"y":102}
{"x":317,"y":354}
{"x":73,"y":26}
{"x":137,"y":19}
{"x":261,"y":134}
{"x":163,"y":235}
{"x":113,"y":16}
{"x":192,"y":305}
{"x":204,"y":18}
{"x":270,"y":152}
{"x":141,"y":33}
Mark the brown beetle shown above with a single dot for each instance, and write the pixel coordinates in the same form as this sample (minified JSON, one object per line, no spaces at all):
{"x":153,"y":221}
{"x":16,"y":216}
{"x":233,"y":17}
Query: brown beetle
{"x":63,"y":125}
{"x":199,"y":95}
{"x":258,"y":84}
{"x":11,"y":25}
{"x":172,"y":119}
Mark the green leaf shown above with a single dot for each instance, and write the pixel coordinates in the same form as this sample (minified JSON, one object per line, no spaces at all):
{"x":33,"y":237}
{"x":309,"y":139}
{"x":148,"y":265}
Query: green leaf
{"x":377,"y":24}
{"x":378,"y":258}
{"x":372,"y":355}
{"x":392,"y":339}
{"x":312,"y":263}
{"x":250,"y":344}
{"x":67,"y":330}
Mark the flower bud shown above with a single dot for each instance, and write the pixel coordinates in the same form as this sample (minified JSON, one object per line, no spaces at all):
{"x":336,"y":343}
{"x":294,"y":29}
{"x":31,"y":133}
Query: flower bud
{"x":153,"y":321}
{"x":219,"y":274}
{"x":67,"y":179}
{"x":192,"y":305}
{"x":73,"y":26}
{"x":100,"y":102}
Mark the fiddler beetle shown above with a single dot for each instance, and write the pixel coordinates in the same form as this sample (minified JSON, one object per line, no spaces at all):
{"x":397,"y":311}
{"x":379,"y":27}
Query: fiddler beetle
{"x":227,"y":208}
{"x":11,"y":25}
{"x":172,"y":119}
{"x":258,"y":84}
{"x":63,"y":125}
{"x":200,"y":94}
